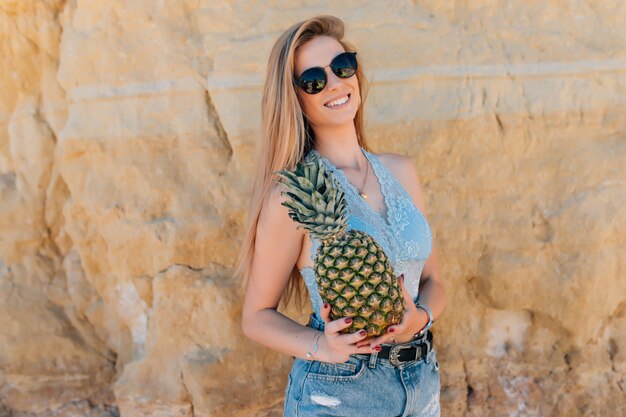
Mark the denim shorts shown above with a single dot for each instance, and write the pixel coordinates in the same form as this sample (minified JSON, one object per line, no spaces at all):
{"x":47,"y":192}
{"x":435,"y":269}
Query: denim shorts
{"x":362,"y":386}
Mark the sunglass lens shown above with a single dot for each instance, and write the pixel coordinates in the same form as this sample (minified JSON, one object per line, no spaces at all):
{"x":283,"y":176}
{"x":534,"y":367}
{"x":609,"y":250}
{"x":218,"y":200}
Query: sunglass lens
{"x":344,"y":65}
{"x":313,"y":80}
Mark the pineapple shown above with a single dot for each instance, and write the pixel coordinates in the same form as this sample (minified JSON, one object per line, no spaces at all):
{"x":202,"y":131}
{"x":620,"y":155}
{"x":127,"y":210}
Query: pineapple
{"x":353,"y":273}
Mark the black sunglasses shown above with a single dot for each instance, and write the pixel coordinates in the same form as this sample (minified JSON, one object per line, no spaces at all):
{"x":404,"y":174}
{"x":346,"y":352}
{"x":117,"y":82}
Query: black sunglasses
{"x":313,"y":80}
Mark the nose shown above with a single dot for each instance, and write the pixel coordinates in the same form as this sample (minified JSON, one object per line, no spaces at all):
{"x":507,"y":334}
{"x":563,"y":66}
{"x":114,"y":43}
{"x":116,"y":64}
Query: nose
{"x":332,"y":80}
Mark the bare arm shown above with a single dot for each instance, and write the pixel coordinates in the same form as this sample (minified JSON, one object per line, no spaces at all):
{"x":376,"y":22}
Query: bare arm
{"x":277,"y":247}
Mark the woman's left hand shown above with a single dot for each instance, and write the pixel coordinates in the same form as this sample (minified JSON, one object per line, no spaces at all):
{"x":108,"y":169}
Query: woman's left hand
{"x":414,"y":320}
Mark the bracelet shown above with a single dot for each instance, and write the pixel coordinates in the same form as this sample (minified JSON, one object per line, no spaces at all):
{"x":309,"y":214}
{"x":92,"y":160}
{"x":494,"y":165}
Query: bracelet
{"x":315,"y":346}
{"x":430,"y":319}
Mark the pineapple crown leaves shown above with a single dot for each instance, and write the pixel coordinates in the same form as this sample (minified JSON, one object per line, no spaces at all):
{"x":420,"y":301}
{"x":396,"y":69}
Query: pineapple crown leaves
{"x":315,"y":201}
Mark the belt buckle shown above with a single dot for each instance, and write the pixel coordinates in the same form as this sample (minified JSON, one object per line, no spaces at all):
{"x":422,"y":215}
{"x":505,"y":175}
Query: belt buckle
{"x":395,"y":349}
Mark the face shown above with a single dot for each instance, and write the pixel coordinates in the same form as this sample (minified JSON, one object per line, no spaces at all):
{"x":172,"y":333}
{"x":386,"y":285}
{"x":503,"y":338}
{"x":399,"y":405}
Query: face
{"x":319,"y":52}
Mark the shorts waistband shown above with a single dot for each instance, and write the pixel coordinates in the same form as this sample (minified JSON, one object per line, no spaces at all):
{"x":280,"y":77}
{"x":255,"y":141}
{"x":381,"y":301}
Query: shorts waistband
{"x":317,"y":323}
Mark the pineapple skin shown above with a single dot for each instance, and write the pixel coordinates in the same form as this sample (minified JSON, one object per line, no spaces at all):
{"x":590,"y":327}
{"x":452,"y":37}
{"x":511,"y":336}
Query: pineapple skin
{"x":354,"y":276}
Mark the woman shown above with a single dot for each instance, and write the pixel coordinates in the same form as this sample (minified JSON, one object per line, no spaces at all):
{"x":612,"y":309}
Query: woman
{"x":312,"y":106}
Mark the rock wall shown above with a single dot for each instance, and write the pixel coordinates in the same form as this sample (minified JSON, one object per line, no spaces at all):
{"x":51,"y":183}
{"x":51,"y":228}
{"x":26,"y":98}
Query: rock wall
{"x":127,"y":131}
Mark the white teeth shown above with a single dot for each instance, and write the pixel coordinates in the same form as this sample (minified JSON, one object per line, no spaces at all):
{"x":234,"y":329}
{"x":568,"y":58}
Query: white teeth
{"x":337,"y":102}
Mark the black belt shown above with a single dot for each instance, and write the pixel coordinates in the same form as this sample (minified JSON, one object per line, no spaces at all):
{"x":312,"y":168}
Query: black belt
{"x":405,"y":352}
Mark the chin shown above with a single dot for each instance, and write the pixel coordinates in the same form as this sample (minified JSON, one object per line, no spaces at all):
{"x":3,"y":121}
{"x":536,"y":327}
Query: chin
{"x":336,"y":121}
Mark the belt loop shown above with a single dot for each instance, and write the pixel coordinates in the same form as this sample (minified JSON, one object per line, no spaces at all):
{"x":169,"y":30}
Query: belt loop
{"x":429,"y":356}
{"x":372,"y":362}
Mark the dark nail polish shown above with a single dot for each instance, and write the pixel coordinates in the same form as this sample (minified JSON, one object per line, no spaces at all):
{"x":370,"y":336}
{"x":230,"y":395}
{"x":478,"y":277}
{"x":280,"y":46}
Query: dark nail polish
{"x":391,"y":330}
{"x":349,"y":320}
{"x":378,"y":348}
{"x":362,"y":333}
{"x":325,"y":305}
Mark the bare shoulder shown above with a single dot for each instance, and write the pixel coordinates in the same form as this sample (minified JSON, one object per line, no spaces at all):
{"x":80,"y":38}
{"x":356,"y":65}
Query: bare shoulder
{"x":275,"y":214}
{"x":399,"y":165}
{"x":403,"y":168}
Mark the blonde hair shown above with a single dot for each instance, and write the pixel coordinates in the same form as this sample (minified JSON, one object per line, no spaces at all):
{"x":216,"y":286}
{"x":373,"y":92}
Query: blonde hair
{"x":286,"y":134}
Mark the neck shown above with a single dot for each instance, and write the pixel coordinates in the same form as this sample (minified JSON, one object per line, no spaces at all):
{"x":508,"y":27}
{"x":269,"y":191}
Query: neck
{"x":341,"y":148}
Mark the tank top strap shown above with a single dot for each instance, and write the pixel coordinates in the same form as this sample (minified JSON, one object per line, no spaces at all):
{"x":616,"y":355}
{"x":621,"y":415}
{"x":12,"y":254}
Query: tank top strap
{"x":396,"y":197}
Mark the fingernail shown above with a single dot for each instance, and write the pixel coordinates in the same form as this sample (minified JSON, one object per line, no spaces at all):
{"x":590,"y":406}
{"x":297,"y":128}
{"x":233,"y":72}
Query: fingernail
{"x":362,"y":333}
{"x":378,"y":348}
{"x":349,"y":320}
{"x":325,"y":305}
{"x":391,"y":330}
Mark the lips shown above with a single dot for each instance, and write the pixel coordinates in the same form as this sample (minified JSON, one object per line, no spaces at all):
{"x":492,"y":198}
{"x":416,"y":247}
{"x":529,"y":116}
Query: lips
{"x":338,"y":98}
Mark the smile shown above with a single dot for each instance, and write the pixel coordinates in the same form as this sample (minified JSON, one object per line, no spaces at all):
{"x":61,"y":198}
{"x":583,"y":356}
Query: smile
{"x":338,"y":103}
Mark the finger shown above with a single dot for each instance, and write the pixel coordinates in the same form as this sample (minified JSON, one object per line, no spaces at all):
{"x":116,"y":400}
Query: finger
{"x":379,"y":340}
{"x":370,"y":340}
{"x":405,"y":292}
{"x":365,"y":350}
{"x":358,"y":336}
{"x":396,"y":329}
{"x":348,"y":338}
{"x":408,"y":300}
{"x":373,"y":341}
{"x":333,"y":326}
{"x":391,"y":332}
{"x":338,"y":325}
{"x":365,"y":342}
{"x":325,"y":313}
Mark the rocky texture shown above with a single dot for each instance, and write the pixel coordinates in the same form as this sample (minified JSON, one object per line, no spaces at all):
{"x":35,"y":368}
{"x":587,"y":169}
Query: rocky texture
{"x":126,"y":147}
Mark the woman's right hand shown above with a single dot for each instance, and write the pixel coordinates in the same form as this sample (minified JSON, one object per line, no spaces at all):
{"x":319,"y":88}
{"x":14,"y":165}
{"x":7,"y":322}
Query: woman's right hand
{"x":336,"y":347}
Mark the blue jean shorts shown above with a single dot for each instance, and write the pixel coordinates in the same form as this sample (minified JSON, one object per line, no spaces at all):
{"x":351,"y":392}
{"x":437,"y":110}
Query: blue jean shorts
{"x":364,"y":385}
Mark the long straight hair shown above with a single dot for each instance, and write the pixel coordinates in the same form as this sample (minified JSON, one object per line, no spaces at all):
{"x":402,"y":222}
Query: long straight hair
{"x":286,"y":135}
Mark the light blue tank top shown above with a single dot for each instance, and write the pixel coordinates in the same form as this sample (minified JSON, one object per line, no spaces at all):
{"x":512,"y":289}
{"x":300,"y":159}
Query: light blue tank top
{"x":404,"y":234}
